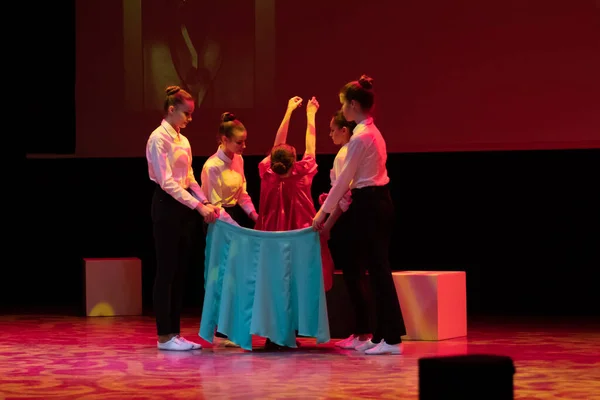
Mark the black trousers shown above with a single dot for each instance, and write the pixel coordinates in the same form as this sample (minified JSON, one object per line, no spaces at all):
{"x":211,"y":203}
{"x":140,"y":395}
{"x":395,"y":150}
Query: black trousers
{"x":370,"y":222}
{"x":341,"y":243}
{"x":173,"y":229}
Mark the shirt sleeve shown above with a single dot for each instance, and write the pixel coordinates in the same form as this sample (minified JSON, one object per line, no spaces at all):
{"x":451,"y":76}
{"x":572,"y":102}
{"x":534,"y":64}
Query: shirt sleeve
{"x":306,"y":166}
{"x":211,"y":185}
{"x":356,"y":151}
{"x":244,"y":199}
{"x":346,"y":201}
{"x":194,"y":186}
{"x":158,"y":160}
{"x":347,"y":198}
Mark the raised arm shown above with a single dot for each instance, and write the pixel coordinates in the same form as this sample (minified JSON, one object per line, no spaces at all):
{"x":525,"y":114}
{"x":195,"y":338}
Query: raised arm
{"x":311,"y":141}
{"x":282,"y":132}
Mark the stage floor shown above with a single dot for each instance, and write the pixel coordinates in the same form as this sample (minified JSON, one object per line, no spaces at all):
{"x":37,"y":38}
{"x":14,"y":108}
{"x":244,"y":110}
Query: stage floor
{"x":65,"y":357}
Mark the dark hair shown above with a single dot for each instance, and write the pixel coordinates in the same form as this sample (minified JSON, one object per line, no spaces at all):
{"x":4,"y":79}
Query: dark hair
{"x":175,"y":96}
{"x":341,"y":122}
{"x":360,"y":91}
{"x":229,"y":124}
{"x":283,"y":157}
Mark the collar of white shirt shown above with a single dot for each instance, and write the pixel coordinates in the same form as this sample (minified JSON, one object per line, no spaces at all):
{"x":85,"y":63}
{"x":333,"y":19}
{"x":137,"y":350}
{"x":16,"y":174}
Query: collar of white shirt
{"x":221,"y":154}
{"x":170,"y":129}
{"x":361,"y":126}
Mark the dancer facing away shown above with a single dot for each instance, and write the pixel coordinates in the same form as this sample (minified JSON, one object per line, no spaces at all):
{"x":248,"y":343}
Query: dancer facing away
{"x":371,"y":212}
{"x":223,"y":178}
{"x":285,"y":192}
{"x":285,"y":197}
{"x":169,"y":158}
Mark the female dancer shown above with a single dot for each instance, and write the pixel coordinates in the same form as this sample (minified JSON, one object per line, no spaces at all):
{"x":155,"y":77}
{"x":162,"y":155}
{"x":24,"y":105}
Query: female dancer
{"x":169,"y":158}
{"x":338,"y":229}
{"x":372,"y":214}
{"x":285,"y":197}
{"x":224,"y":183}
{"x":223,"y":179}
{"x":285,"y":192}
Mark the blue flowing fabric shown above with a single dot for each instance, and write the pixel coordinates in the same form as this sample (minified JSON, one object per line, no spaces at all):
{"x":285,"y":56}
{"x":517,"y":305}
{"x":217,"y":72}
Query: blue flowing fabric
{"x":261,"y":283}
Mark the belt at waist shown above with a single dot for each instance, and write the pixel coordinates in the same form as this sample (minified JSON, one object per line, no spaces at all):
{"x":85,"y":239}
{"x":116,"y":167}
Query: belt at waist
{"x":370,"y":189}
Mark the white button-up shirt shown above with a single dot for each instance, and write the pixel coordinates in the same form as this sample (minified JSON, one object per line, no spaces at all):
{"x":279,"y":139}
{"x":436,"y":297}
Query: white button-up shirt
{"x":224,"y":182}
{"x":364,"y":165}
{"x":169,"y":157}
{"x":338,"y":164}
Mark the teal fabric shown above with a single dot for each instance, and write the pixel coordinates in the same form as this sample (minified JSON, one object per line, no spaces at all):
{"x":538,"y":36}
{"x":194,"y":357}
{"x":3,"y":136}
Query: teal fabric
{"x":263,"y":283}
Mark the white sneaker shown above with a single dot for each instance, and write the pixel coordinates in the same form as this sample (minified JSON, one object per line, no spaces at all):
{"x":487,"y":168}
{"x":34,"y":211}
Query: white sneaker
{"x":344,"y":342}
{"x":350,"y":343}
{"x":195,"y":346}
{"x":384,"y":348}
{"x":366,"y":346}
{"x":175,"y":344}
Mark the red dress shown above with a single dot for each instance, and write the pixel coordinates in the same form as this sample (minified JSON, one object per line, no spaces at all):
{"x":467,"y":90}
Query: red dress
{"x":286,"y":204}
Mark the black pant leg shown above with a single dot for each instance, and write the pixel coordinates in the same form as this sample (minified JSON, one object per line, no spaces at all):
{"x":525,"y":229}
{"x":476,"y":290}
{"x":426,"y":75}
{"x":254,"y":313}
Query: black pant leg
{"x":374,"y":221}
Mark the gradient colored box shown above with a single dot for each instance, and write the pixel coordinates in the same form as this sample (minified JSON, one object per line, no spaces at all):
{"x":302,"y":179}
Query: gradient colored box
{"x":113,"y":286}
{"x":434,"y":303}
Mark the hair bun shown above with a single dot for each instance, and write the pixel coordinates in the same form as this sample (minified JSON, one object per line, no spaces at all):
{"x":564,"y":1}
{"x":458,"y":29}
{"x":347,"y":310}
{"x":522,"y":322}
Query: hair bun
{"x":172,"y":90}
{"x":366,"y":82}
{"x":227,"y":116}
{"x":279,"y":168}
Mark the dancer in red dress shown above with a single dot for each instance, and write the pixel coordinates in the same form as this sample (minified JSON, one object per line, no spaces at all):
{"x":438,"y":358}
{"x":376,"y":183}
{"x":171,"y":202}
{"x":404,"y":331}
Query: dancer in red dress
{"x":285,"y":189}
{"x":285,"y":192}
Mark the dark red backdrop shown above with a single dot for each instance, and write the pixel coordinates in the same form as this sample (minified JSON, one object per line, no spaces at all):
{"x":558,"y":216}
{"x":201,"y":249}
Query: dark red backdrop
{"x":450,"y":76}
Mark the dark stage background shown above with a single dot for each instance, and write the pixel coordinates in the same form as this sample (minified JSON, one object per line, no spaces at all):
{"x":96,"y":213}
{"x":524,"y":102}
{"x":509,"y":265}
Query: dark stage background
{"x":491,"y":116}
{"x":524,"y":225}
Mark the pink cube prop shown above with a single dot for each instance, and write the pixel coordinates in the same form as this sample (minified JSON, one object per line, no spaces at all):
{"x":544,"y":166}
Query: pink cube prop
{"x":113,"y":286}
{"x":434,"y":303}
